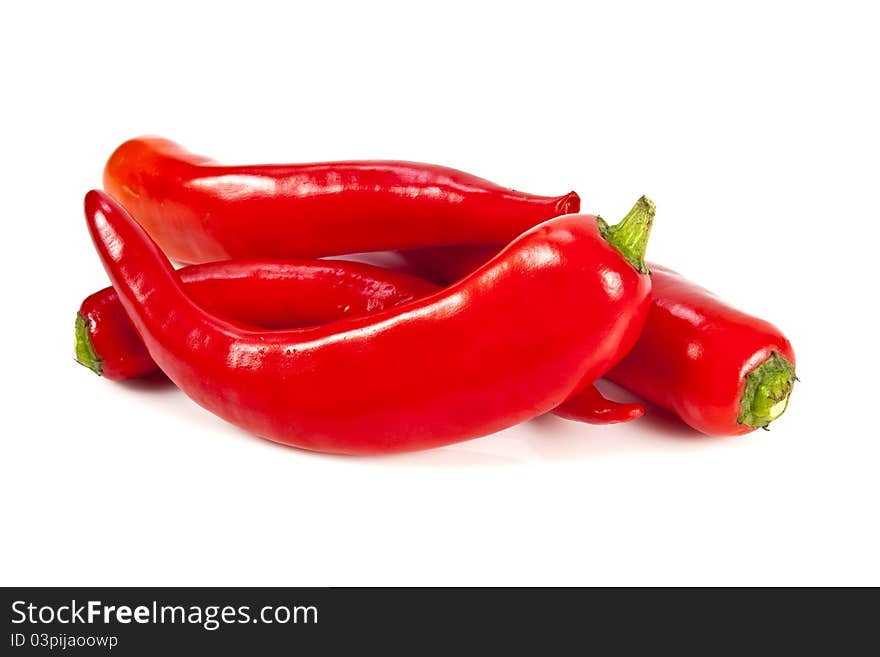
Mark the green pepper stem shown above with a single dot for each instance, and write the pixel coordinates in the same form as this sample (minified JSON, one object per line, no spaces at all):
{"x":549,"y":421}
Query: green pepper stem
{"x":630,"y":235}
{"x":83,"y":348}
{"x":768,"y":388}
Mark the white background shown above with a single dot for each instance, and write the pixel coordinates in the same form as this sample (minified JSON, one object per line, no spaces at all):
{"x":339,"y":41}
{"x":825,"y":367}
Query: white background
{"x":754,"y":128}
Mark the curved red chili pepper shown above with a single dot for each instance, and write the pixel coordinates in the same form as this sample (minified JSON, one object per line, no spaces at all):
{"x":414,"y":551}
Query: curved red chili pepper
{"x":509,"y":342}
{"x":722,"y":371}
{"x":265,"y":294}
{"x":198,"y":210}
{"x":279,"y":294}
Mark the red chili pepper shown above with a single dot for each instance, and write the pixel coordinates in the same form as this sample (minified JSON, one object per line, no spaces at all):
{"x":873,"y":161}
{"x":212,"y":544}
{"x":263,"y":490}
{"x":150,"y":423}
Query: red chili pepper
{"x":548,"y":315}
{"x":722,"y":371}
{"x":279,"y":294}
{"x":265,"y":294}
{"x":198,"y":210}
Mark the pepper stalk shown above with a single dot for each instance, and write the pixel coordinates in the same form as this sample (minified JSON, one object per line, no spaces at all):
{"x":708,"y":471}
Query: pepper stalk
{"x":630,"y":235}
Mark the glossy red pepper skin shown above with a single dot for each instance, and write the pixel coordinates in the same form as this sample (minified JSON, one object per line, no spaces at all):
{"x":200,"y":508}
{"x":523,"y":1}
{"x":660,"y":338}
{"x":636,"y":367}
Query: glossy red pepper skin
{"x":490,"y":351}
{"x":281,"y":294}
{"x":265,"y":294}
{"x":446,"y":264}
{"x":693,"y":356}
{"x":199,"y":211}
{"x":590,"y":406}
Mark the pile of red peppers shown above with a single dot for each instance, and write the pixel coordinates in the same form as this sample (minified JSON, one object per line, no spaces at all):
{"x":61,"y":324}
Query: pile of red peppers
{"x":507,"y":305}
